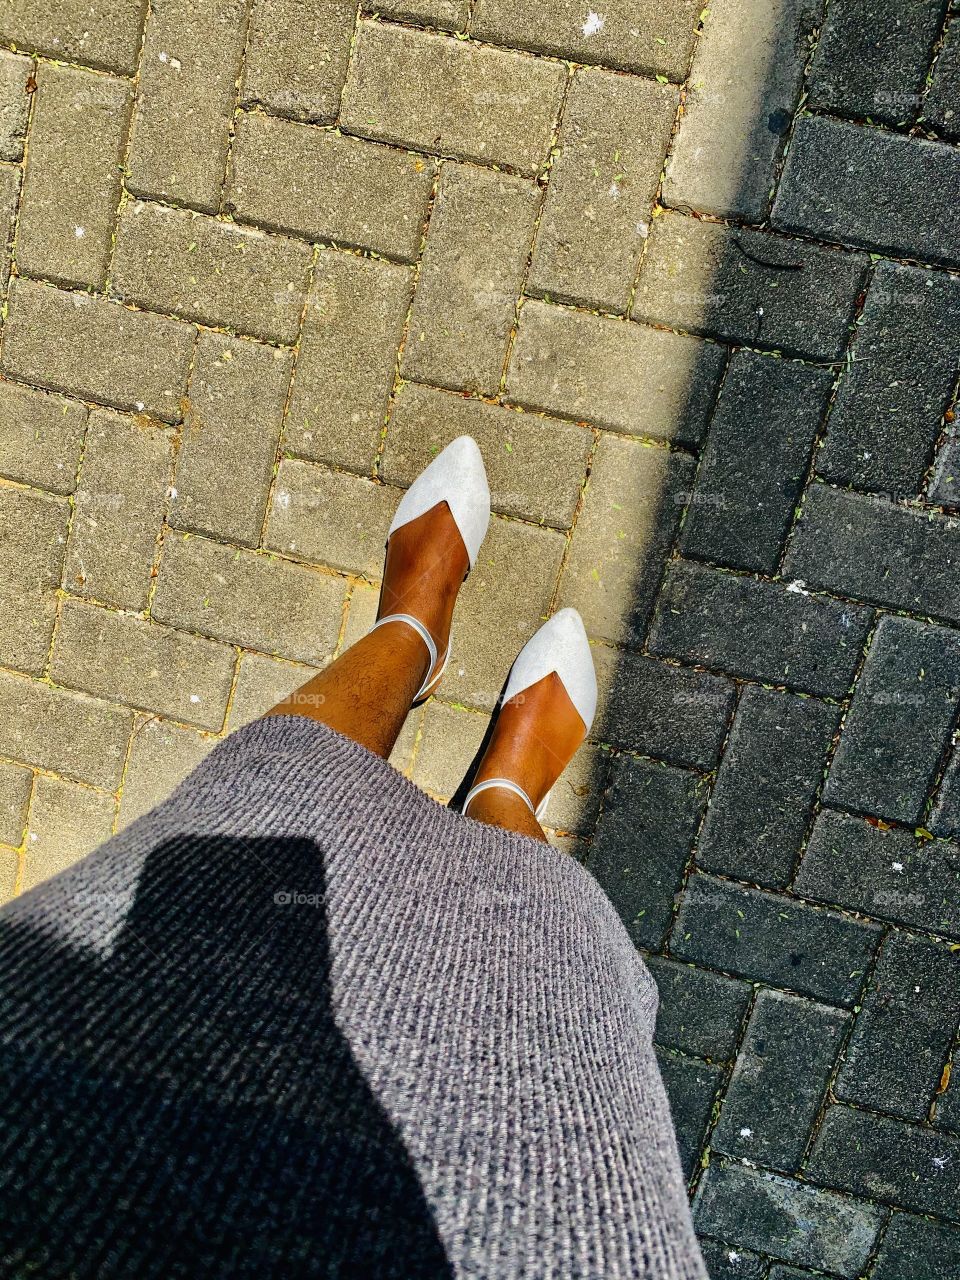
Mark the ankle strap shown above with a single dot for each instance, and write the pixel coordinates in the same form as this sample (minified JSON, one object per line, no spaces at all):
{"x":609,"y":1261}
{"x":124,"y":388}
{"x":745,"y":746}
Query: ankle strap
{"x":506,"y":785}
{"x":424,"y":635}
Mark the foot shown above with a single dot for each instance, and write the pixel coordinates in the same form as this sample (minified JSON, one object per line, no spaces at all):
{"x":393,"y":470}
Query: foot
{"x":425,"y":567}
{"x":535,"y":736}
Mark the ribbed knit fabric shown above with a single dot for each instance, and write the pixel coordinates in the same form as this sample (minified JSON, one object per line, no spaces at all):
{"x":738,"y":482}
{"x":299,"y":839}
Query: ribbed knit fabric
{"x":301,"y":1020}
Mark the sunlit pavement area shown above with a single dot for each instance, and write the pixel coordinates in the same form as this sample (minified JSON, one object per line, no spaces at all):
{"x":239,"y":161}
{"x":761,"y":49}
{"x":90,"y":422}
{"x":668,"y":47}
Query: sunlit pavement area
{"x":685,"y":275}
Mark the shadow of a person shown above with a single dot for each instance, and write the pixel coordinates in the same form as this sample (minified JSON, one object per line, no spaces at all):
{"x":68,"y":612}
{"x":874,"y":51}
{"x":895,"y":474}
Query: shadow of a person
{"x":186,"y":1105}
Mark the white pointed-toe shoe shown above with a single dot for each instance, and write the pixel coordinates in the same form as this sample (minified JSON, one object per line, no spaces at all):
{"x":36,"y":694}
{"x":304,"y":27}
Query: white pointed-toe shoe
{"x":561,"y":645}
{"x":457,"y":477}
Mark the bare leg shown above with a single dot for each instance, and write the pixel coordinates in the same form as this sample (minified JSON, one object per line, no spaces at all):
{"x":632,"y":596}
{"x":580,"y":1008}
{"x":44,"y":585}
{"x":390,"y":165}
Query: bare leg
{"x":535,"y":737}
{"x":368,"y":691}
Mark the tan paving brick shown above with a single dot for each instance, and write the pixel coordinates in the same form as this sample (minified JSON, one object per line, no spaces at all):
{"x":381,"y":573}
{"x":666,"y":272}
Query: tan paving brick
{"x":327,"y":186}
{"x":449,"y":96}
{"x":33,"y":533}
{"x":211,"y":271}
{"x":447,"y":15}
{"x":67,"y":821}
{"x":142,"y":664}
{"x":361,"y":613}
{"x":535,"y":465}
{"x":261,"y":683}
{"x":67,"y":732}
{"x":249,"y":598}
{"x":120,"y":501}
{"x":330,"y":518}
{"x":471,"y":274}
{"x":629,"y":377}
{"x":347,"y":360}
{"x":16,"y":782}
{"x":228,"y":446}
{"x":297,"y":56}
{"x":612,"y":143}
{"x":635,"y":35}
{"x":97,"y":349}
{"x":40,"y":437}
{"x":76,"y":31}
{"x":744,"y":85}
{"x":503,"y":601}
{"x":71,"y":185}
{"x":449,"y":742}
{"x":161,"y":756}
{"x":187,"y":92}
{"x":15,"y":71}
{"x":631,"y":512}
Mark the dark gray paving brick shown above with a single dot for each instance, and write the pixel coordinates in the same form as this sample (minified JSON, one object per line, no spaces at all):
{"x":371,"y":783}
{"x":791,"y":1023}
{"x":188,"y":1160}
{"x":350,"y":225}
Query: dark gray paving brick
{"x":945,"y":817}
{"x":892,"y":1161}
{"x":899,"y":722}
{"x":904,"y":1029}
{"x":755,"y":461}
{"x":773,"y":939}
{"x":873,"y":549}
{"x":780,"y":1272}
{"x":731,"y":1262}
{"x":691,"y":1087}
{"x":864,"y":186}
{"x":917,"y":1249}
{"x":766,"y":784}
{"x":887,"y":873}
{"x":757,"y":629}
{"x":643,"y":839}
{"x":872,"y":57}
{"x":700,"y":1012}
{"x":749,"y":287}
{"x":789,"y":1220}
{"x":659,"y":709}
{"x":779,"y":1081}
{"x":892,"y":396}
{"x":942,"y":106}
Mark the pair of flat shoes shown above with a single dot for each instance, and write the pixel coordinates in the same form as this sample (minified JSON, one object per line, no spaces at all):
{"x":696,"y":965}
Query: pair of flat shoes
{"x":457,"y":477}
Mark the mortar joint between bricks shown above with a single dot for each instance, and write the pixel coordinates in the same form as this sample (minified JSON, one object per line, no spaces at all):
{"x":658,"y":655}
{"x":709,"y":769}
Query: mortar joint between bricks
{"x":948,"y":430}
{"x":235,"y":114}
{"x":853,"y":329}
{"x":543,"y":182}
{"x":398,"y":378}
{"x":949,"y":15}
{"x":578,"y":507}
{"x":780,"y":159}
{"x":125,"y":151}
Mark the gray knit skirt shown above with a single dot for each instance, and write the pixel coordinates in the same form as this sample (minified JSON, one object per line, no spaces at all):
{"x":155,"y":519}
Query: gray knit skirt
{"x":301,"y":1020}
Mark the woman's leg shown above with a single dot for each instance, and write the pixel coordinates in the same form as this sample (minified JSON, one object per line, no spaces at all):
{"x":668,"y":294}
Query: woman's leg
{"x":368,"y":691}
{"x":535,"y":735}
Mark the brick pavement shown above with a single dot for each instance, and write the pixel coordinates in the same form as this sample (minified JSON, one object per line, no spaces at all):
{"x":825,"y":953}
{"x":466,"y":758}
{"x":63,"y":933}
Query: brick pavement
{"x":689,"y":278}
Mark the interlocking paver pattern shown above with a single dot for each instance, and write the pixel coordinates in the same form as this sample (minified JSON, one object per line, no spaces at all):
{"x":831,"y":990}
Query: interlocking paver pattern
{"x":689,"y":275}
